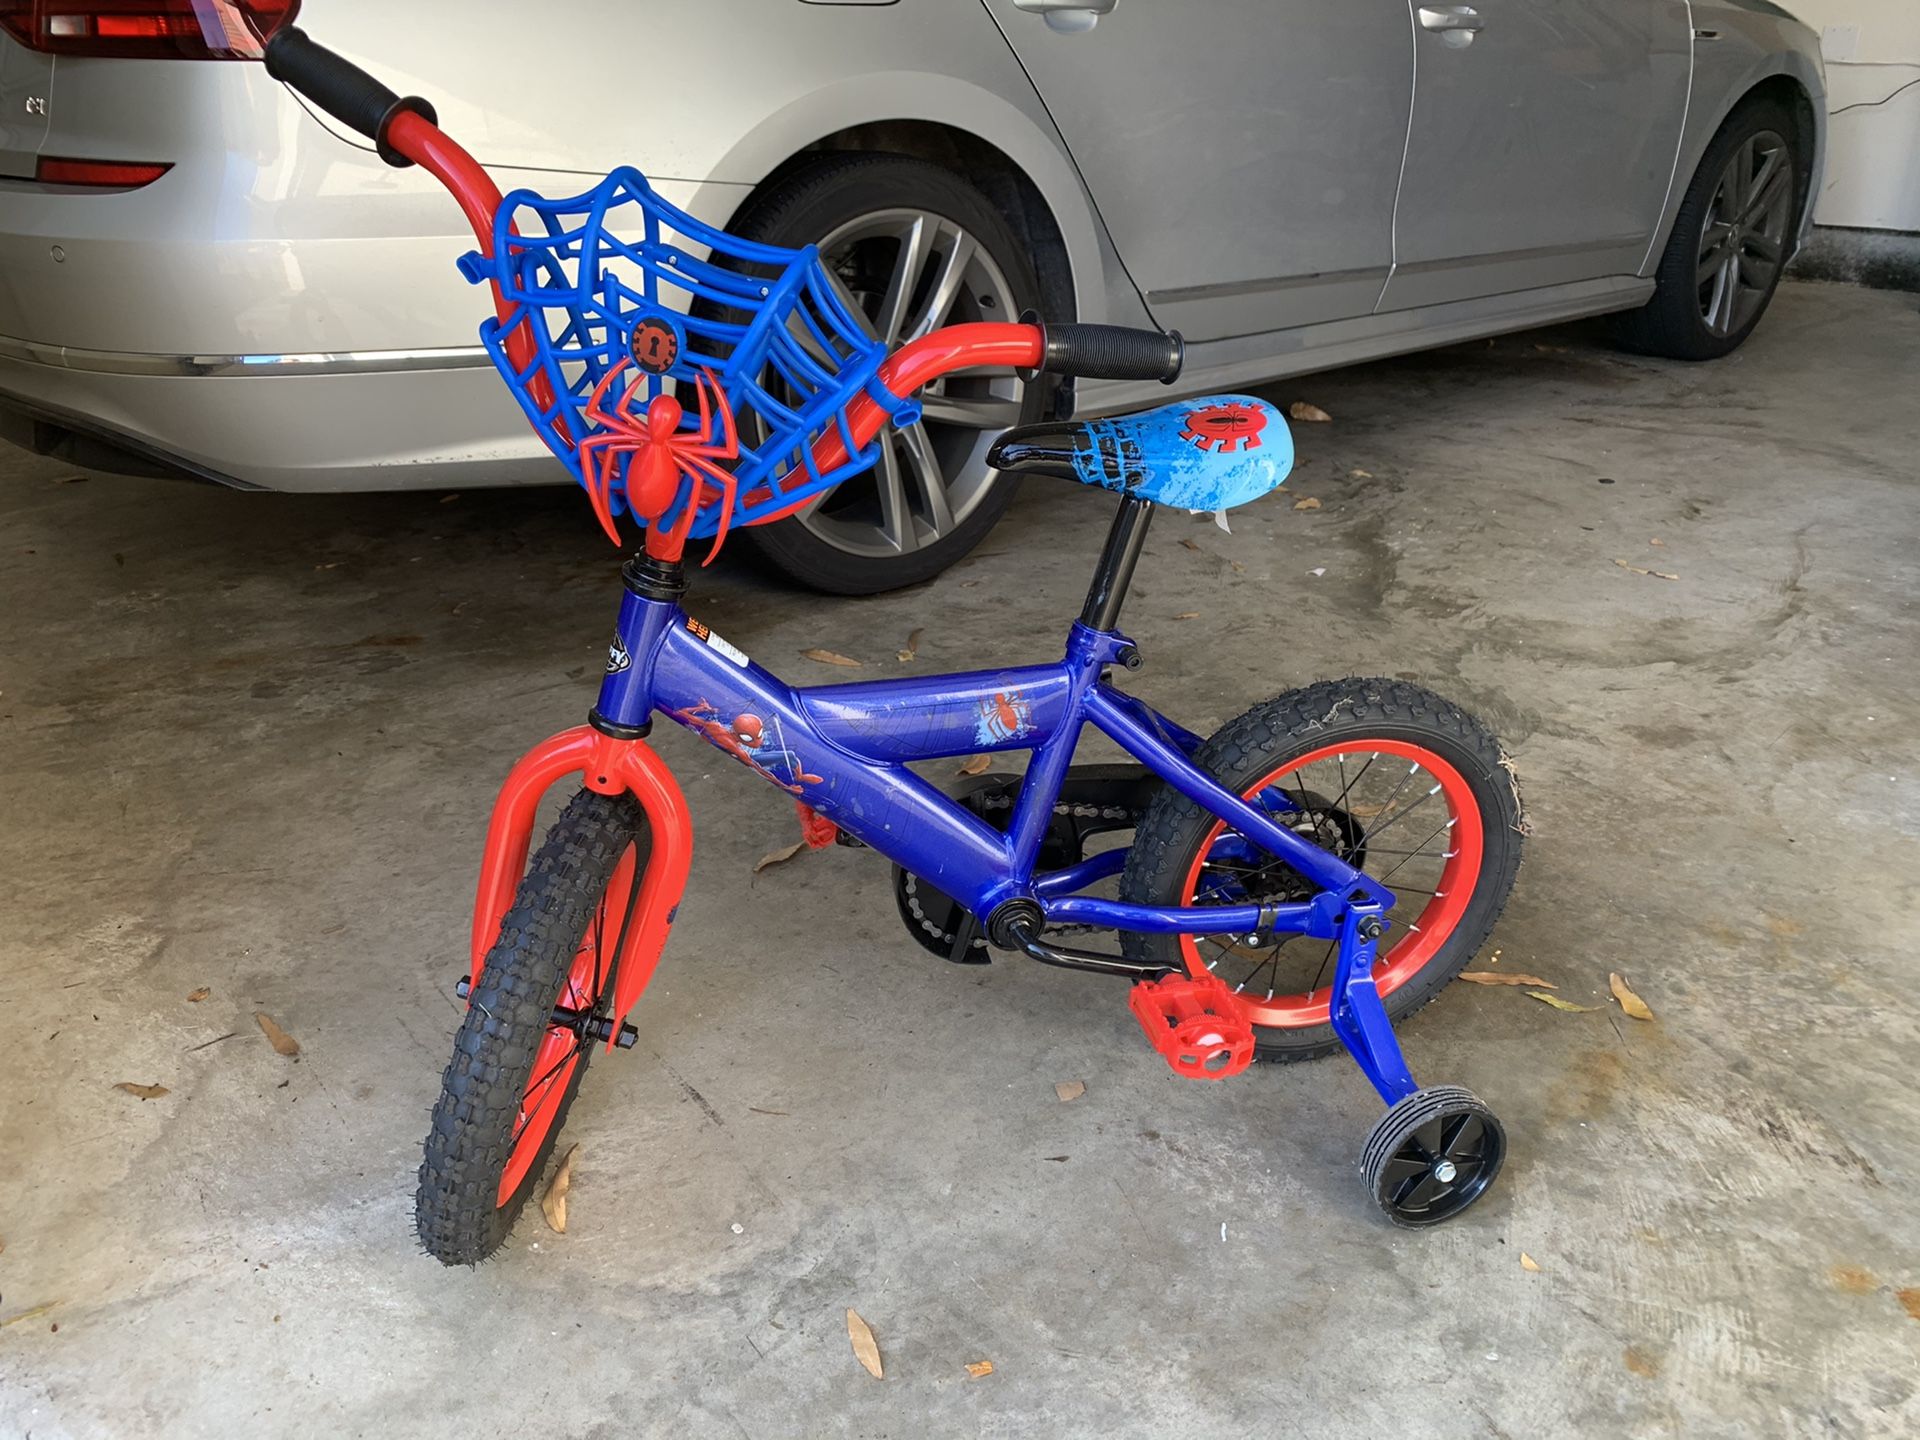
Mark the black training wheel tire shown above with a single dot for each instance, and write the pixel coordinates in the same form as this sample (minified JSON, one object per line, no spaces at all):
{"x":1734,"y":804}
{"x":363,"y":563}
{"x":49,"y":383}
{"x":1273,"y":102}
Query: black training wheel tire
{"x":1676,"y":323}
{"x":1432,"y":1155}
{"x":508,"y":1015}
{"x":836,"y":194}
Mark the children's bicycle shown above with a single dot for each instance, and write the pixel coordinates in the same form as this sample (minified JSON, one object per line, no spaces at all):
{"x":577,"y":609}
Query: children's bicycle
{"x":1314,"y":871}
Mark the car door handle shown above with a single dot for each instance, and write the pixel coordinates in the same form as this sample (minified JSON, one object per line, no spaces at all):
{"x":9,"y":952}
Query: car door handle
{"x":1444,"y":17}
{"x":1069,"y":17}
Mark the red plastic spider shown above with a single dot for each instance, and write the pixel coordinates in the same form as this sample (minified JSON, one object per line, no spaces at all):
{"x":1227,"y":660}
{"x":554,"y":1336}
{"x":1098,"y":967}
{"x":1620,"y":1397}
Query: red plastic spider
{"x":661,"y":454}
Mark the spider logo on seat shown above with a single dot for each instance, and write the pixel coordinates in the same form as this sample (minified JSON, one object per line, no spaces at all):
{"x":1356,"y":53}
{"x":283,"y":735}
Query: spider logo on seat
{"x":1232,"y":426}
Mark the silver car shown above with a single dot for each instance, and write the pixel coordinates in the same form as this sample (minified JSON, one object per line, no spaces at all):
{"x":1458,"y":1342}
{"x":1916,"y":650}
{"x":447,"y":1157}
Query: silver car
{"x":198,"y":272}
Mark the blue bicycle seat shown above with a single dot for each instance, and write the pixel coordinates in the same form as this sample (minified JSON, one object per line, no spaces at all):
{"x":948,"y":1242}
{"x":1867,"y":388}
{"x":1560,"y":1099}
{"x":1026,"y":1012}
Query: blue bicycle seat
{"x":1212,"y":453}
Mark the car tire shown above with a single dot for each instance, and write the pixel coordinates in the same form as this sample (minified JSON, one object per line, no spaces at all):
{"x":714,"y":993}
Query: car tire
{"x":1731,"y":240}
{"x":931,"y":498}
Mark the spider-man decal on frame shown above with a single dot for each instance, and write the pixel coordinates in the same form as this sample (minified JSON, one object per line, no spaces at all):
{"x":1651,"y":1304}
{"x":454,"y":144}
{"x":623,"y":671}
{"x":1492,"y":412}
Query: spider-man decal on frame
{"x":746,"y":739}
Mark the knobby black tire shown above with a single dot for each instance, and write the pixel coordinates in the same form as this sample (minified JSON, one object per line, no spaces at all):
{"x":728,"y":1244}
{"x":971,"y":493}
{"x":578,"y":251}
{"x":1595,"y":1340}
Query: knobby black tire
{"x":470,"y":1140}
{"x":1293,"y":724}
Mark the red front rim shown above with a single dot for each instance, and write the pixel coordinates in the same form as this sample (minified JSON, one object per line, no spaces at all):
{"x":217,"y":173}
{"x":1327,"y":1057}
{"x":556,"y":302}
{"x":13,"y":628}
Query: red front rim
{"x":561,"y":1048}
{"x":1422,"y":922}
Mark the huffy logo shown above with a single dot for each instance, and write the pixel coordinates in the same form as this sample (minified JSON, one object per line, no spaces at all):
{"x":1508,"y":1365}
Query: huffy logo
{"x":617,"y":657}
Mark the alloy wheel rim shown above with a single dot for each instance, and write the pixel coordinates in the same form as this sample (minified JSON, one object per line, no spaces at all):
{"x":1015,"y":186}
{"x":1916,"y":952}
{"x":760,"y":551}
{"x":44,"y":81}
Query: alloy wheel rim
{"x":906,"y":272}
{"x":1743,"y":244}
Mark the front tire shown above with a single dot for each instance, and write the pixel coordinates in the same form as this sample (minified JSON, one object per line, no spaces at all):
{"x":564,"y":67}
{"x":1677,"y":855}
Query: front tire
{"x":515,"y":1071}
{"x":1363,"y":762}
{"x":915,"y":247}
{"x":1730,"y":242}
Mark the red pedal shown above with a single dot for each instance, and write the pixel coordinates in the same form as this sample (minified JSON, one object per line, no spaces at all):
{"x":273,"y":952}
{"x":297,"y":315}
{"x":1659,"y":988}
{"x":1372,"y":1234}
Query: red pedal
{"x":1198,"y":1026}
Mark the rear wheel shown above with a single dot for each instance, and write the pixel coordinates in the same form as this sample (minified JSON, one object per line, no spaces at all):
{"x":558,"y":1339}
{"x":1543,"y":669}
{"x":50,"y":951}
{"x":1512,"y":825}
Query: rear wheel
{"x":1730,"y":240}
{"x":914,"y":247}
{"x":523,"y":1047}
{"x":1393,"y":779}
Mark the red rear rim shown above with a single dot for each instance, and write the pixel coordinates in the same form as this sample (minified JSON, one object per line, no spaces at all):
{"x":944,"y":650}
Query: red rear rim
{"x":561,"y":1048}
{"x":1286,"y":986}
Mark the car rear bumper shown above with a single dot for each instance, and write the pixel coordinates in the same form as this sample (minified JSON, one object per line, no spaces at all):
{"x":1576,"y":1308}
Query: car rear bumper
{"x":417,"y":419}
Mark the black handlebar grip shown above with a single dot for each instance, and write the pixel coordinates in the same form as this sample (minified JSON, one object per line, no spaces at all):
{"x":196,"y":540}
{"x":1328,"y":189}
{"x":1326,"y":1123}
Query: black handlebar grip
{"x":1114,"y":352}
{"x":342,"y":89}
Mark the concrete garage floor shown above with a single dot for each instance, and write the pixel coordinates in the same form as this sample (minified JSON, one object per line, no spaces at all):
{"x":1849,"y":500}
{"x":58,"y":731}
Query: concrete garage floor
{"x":249,"y":742}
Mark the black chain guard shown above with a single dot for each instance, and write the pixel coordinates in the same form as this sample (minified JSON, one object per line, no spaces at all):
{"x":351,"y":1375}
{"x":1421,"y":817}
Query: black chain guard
{"x":1094,"y":800}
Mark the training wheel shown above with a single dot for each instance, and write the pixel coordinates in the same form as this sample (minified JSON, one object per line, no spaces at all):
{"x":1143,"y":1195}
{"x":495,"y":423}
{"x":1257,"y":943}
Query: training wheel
{"x":1432,"y":1155}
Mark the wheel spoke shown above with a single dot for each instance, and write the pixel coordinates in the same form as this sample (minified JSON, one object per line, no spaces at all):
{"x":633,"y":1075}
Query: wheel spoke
{"x":1441,"y":829}
{"x":1765,"y":247}
{"x":916,"y":243}
{"x":1713,"y":244}
{"x":954,"y":259}
{"x":896,"y":519}
{"x":1768,"y":187}
{"x":1462,"y":1137}
{"x":929,"y":478}
{"x":977,"y":412}
{"x":1423,"y":1194}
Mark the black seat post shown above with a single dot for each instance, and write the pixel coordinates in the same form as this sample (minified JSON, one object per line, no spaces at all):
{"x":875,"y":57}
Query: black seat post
{"x":1114,"y":574}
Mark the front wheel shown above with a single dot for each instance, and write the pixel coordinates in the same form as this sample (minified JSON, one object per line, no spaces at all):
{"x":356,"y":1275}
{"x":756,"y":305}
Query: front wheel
{"x":1394,"y":780}
{"x":519,"y":1055}
{"x":1730,"y":242}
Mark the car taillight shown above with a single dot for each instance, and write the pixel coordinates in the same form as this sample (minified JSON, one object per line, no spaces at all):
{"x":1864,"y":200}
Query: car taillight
{"x":117,"y":174}
{"x":147,"y":29}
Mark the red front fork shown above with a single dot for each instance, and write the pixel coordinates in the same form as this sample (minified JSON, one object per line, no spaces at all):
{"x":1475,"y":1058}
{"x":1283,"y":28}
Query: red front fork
{"x":608,"y":766}
{"x":605,"y":764}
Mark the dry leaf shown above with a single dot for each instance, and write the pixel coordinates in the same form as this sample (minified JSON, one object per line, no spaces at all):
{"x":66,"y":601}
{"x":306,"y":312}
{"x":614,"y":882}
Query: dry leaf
{"x":779,"y":857}
{"x":32,"y":1314}
{"x":866,"y":1349}
{"x":1501,"y":977}
{"x":1629,"y":1002}
{"x":1189,"y":543}
{"x":977,"y":765}
{"x":1557,"y":1003}
{"x":283,"y":1043}
{"x":1188,"y":615}
{"x":195,"y":997}
{"x":1909,"y":1301}
{"x":1306,"y":502}
{"x":1359,"y":474}
{"x":1640,"y":1362}
{"x":828,"y":657}
{"x":145,"y":1092}
{"x":1657,"y":543}
{"x":1527,"y":1262}
{"x":979,"y":1368}
{"x":1301,"y":410}
{"x":913,"y":645}
{"x":553,"y":1204}
{"x":1070,"y":1089}
{"x":1637,"y":570}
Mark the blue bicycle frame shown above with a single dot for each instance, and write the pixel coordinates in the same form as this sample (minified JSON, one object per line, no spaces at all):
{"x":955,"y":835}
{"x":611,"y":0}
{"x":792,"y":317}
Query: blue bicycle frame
{"x":844,"y":749}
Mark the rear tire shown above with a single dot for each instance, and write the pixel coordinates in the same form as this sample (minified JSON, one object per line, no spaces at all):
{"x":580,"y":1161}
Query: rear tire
{"x":1684,"y":319}
{"x":1273,"y":743}
{"x":557,"y":940}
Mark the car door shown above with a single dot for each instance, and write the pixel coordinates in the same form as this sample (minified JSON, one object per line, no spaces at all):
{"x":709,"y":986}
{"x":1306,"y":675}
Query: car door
{"x":1243,"y":153}
{"x":1543,"y":141}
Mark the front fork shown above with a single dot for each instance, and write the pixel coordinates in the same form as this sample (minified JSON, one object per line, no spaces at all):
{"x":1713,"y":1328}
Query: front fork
{"x":610,"y":766}
{"x":1359,"y":1018}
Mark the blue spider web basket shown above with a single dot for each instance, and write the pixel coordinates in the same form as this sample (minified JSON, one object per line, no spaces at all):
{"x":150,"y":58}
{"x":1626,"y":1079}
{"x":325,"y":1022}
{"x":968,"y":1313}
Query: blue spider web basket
{"x":618,"y":274}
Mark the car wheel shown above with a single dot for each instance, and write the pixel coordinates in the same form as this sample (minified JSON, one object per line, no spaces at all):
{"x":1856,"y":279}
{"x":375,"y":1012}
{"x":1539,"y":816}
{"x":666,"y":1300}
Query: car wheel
{"x":1730,"y":241}
{"x":916,"y":248}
